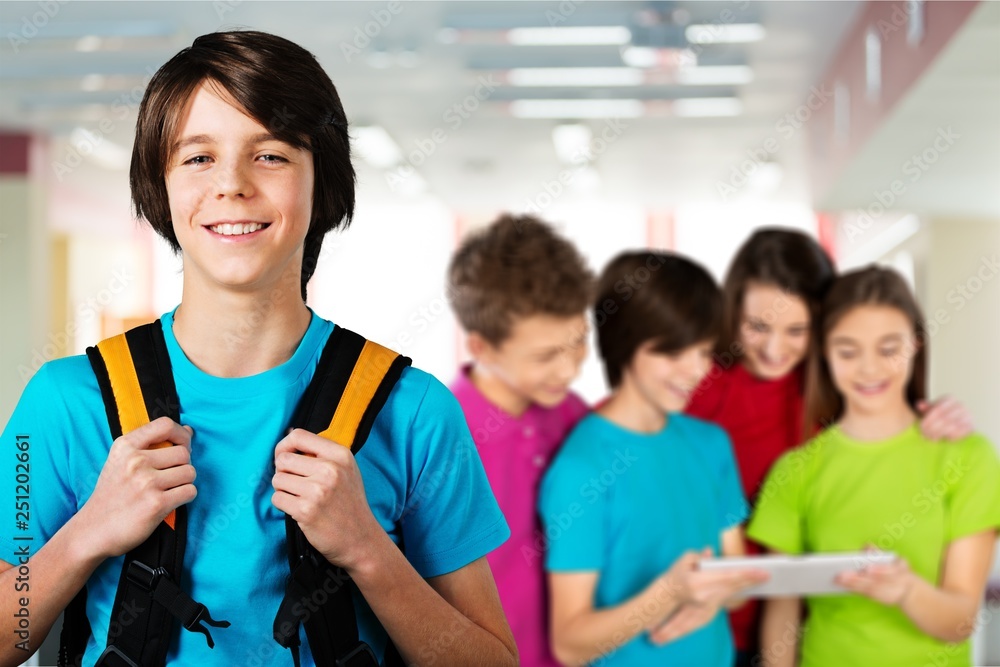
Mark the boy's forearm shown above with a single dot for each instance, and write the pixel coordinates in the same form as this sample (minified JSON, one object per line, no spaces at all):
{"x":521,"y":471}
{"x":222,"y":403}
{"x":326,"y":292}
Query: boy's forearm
{"x":425,"y":628}
{"x":780,"y":631}
{"x":47,"y":582}
{"x":597,"y":632}
{"x":944,"y":615}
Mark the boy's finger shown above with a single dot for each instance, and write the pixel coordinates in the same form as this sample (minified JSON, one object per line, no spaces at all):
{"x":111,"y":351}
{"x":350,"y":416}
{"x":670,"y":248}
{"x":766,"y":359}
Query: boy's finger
{"x":310,"y":444}
{"x":158,"y":433}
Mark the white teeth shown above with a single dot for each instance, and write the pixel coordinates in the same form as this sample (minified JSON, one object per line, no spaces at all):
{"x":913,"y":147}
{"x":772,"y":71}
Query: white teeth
{"x":238,"y":229}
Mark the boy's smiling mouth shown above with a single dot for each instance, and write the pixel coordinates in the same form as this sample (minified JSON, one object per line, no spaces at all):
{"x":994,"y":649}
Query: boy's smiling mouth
{"x":237,"y":227}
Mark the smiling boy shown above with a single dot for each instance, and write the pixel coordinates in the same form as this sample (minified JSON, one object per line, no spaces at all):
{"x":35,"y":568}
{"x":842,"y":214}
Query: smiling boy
{"x":521,"y":292}
{"x":242,"y":163}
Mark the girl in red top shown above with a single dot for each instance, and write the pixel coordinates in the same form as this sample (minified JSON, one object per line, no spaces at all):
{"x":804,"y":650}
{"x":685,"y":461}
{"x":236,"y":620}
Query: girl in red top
{"x":772,"y":293}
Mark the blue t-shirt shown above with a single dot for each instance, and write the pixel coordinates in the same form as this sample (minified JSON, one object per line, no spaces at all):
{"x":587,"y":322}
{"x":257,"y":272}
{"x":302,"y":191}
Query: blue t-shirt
{"x":627,"y":505}
{"x":423,"y":480}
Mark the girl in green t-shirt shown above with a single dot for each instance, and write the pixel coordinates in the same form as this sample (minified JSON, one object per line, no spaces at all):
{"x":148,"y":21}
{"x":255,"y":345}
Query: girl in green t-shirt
{"x":872,"y":480}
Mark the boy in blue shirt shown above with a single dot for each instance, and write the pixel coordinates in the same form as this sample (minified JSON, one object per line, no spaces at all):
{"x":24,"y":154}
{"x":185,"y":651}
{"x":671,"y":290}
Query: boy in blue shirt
{"x":639,"y":492}
{"x":242,"y":163}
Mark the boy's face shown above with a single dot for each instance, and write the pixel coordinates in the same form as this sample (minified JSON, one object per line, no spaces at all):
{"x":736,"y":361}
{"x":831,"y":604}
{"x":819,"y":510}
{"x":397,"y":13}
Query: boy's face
{"x":539,"y":359}
{"x":666,"y":380}
{"x":240,"y":200}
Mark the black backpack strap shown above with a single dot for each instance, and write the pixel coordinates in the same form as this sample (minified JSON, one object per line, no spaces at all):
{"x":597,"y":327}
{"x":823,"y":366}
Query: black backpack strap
{"x":350,"y":386}
{"x":136,"y":382}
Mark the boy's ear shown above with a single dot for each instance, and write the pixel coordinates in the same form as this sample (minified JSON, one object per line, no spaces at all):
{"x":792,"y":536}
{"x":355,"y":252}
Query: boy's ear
{"x":478,"y":346}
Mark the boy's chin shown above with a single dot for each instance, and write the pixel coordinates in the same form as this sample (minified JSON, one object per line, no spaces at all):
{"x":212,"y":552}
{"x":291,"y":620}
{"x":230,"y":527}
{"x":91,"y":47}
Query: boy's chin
{"x":548,"y":399}
{"x":673,"y":406}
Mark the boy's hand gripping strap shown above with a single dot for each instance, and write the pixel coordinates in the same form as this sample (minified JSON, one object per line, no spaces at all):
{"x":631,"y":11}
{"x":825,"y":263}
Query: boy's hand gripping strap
{"x":133,"y":372}
{"x":350,"y":386}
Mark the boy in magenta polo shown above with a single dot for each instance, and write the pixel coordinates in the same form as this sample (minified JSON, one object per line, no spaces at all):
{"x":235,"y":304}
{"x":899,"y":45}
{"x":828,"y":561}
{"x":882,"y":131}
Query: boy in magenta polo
{"x":521,"y":293}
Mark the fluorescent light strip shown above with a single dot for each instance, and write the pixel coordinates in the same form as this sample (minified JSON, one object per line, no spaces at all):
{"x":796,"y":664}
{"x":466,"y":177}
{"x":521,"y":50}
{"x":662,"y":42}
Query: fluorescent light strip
{"x":734,"y":75}
{"x":575,"y":76}
{"x":577,"y":108}
{"x":647,"y":57}
{"x":733,"y":33}
{"x":700,"y":107}
{"x":569,"y":36}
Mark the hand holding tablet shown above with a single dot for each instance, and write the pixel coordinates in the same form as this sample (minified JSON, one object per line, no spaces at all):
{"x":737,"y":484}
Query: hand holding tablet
{"x":797,"y":576}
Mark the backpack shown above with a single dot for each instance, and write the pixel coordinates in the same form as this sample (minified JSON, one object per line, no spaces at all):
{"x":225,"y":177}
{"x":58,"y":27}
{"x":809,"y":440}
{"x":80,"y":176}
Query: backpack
{"x":350,"y":386}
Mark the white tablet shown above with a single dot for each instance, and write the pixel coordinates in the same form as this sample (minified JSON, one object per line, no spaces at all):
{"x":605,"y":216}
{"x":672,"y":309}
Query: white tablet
{"x":796,"y":576}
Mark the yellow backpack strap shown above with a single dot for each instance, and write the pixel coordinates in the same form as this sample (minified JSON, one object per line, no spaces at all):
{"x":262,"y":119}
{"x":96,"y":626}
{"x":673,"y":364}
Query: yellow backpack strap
{"x":125,"y":397}
{"x":137,"y":385}
{"x":351,"y":384}
{"x":370,"y":371}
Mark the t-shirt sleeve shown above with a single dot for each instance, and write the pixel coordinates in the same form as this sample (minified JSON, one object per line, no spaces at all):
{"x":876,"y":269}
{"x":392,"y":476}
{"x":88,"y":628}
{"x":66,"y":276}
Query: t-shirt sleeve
{"x":572,"y":513}
{"x":733,"y":508}
{"x":777,"y":518}
{"x":36,"y":498}
{"x":451,"y":516}
{"x":973,"y":475}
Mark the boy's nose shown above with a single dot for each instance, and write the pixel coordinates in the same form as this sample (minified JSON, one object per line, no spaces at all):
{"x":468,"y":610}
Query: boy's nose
{"x":232,"y":181}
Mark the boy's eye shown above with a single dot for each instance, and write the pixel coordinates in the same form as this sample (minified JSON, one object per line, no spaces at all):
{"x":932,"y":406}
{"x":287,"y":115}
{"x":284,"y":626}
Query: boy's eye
{"x":197,"y":159}
{"x":273,"y":158}
{"x":758,"y":327}
{"x":889,"y":351}
{"x":845,"y":354}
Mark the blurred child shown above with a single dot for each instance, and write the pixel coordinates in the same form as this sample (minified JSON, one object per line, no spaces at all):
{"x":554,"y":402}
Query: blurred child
{"x":639,"y":492}
{"x":874,"y":479}
{"x":521,"y":293}
{"x":771,"y":298}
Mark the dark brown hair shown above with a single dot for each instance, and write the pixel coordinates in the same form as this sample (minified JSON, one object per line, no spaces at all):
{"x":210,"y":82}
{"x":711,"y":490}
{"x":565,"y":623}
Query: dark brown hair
{"x":653,"y":296}
{"x":281,"y":86}
{"x":516,"y":267}
{"x":783,"y":258}
{"x":872,"y":286}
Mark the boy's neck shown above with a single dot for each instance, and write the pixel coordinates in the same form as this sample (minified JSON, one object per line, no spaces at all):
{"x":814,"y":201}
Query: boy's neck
{"x":234,"y":335}
{"x":876,"y":426}
{"x":498,"y":392}
{"x":629,"y":409}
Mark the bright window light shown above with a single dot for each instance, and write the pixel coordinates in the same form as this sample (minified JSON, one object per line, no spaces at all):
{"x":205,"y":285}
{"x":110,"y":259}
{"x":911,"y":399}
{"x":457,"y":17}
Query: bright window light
{"x":570,"y":36}
{"x":572,"y":141}
{"x":376,"y":147}
{"x":699,"y":107}
{"x":575,"y":76}
{"x":100,"y":150}
{"x":577,"y":108}
{"x":734,"y":33}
